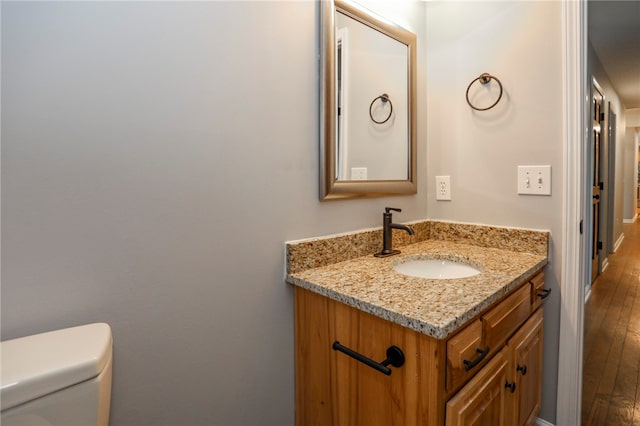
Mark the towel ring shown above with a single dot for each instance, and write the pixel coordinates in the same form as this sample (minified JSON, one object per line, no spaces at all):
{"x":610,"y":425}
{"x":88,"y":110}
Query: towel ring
{"x":484,"y":78}
{"x":384,"y":98}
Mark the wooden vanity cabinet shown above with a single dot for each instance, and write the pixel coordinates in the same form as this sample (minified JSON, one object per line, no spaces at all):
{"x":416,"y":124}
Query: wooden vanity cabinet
{"x":334,"y":389}
{"x":507,"y":391}
{"x":451,"y":380}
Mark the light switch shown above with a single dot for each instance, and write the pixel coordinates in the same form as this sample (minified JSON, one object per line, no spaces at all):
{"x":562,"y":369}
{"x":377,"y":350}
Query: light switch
{"x":534,"y":180}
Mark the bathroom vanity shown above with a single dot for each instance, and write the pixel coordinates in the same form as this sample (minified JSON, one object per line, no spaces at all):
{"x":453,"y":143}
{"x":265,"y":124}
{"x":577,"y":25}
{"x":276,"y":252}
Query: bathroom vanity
{"x":472,"y":346}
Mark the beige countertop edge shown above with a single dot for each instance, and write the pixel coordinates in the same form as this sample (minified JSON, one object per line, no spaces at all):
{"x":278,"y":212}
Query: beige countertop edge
{"x":451,"y":322}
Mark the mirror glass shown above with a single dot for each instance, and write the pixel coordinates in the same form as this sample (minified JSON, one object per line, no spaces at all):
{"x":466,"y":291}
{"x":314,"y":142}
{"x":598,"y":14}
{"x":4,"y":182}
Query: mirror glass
{"x":368,"y":92}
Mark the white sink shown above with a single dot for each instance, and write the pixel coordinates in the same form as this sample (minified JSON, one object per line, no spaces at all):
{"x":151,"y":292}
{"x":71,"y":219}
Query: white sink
{"x":436,"y":269}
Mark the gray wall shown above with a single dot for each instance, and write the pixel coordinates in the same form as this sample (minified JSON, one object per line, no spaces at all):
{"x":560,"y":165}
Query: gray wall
{"x":520,"y":43}
{"x":155,"y":157}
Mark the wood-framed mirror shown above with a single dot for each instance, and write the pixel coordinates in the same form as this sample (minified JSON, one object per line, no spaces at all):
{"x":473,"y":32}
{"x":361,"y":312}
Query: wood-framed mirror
{"x":368,"y":104}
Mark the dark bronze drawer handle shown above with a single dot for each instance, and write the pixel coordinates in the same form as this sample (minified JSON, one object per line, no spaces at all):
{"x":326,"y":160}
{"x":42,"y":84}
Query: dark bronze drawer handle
{"x":468,"y":365}
{"x":511,"y":386}
{"x":522,"y":368}
{"x":395,"y":357}
{"x":544,"y":293}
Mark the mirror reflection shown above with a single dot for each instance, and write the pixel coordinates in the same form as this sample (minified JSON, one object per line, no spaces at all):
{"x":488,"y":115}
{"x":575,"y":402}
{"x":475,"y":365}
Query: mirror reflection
{"x":372,"y":77}
{"x":369,"y":104}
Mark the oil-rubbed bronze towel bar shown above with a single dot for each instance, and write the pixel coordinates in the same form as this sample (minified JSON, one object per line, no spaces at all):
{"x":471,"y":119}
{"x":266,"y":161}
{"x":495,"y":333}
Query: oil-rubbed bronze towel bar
{"x":384,"y":98}
{"x":395,"y":357}
{"x":484,"y":78}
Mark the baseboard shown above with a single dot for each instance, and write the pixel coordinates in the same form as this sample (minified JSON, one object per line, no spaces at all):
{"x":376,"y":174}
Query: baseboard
{"x":616,"y":246}
{"x":587,"y":293}
{"x":542,"y":422}
{"x":632,"y":220}
{"x":605,"y":264}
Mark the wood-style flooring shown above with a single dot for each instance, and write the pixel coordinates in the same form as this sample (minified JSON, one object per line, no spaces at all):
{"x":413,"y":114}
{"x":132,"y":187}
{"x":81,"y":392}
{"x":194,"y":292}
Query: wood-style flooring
{"x":611,"y":357}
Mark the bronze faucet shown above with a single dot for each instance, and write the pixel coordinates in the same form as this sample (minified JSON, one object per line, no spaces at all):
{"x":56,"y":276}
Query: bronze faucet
{"x":387,"y":237}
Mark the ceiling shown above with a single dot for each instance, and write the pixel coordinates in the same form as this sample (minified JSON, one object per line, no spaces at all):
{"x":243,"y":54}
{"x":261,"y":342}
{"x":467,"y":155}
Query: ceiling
{"x":614,"y":33}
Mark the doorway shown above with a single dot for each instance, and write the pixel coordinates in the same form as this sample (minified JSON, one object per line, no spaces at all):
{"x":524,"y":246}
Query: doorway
{"x":611,"y":177}
{"x":579,"y":246}
{"x":597,"y":119}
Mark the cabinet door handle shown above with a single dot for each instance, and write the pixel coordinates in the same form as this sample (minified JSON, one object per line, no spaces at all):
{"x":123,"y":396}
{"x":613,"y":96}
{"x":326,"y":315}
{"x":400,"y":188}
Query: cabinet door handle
{"x":522,"y":368}
{"x":468,"y":365}
{"x":395,"y":357}
{"x":511,"y":386}
{"x":544,"y":293}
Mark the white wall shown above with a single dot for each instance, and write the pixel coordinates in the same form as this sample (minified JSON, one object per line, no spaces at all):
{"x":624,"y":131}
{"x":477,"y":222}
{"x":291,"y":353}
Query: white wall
{"x":520,"y":43}
{"x":633,"y":117}
{"x":155,"y":157}
{"x":631,"y":180}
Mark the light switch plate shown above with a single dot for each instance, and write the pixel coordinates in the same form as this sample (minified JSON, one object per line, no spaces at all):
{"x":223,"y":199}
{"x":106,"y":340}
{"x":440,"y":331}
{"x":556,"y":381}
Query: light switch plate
{"x":534,"y":180}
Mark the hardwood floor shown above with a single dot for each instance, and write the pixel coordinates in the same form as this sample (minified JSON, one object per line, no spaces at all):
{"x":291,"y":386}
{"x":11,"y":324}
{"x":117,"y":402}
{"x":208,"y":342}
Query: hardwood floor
{"x":611,"y":373}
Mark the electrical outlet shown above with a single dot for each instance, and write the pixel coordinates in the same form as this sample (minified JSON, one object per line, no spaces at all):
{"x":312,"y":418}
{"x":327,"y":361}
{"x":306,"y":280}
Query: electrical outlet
{"x":443,"y":188}
{"x":358,"y":173}
{"x":534,"y":180}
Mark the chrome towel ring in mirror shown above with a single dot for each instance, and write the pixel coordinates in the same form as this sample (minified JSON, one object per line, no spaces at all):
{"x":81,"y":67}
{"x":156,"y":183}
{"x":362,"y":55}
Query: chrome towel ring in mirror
{"x":484,"y":78}
{"x":384,"y":98}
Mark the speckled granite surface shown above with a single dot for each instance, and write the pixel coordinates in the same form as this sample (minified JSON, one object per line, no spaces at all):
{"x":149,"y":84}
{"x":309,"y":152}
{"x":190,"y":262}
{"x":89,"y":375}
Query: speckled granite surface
{"x":322,"y":251}
{"x":515,"y":239}
{"x":342,"y":268}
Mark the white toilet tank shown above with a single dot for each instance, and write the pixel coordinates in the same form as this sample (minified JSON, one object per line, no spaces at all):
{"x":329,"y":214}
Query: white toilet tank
{"x":59,"y":378}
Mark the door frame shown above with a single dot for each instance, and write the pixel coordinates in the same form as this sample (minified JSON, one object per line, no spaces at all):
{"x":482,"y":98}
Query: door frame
{"x":574,"y":260}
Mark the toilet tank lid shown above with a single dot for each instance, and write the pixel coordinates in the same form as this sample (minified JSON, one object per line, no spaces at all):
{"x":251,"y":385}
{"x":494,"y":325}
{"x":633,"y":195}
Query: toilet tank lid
{"x":37,"y":365}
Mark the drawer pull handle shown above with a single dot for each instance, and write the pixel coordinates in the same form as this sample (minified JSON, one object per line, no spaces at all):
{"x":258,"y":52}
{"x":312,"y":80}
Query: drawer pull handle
{"x":395,"y":357}
{"x":544,"y":293}
{"x":522,"y":368}
{"x":511,"y":386}
{"x":468,"y":365}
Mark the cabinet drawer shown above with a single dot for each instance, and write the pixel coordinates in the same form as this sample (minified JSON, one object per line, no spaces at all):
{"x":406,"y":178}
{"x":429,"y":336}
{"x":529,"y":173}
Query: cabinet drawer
{"x":501,"y":321}
{"x":482,"y":401}
{"x":537,"y":284}
{"x":464,"y":346}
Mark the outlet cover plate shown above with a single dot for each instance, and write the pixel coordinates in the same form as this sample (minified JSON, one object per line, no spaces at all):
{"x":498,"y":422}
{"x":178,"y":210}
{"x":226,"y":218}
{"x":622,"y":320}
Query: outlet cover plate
{"x":534,"y":180}
{"x":358,"y":173}
{"x":443,"y":188}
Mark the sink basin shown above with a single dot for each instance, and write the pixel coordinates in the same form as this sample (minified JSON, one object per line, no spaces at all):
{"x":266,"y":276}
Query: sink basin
{"x":436,"y":269}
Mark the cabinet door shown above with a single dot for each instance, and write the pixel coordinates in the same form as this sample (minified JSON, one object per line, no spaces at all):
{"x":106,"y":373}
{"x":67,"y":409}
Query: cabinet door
{"x":526,"y":370}
{"x":335,"y":389}
{"x":482,"y":401}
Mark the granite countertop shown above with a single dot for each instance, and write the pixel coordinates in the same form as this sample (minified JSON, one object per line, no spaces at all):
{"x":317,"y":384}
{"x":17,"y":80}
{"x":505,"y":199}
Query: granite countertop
{"x":433,"y":307}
